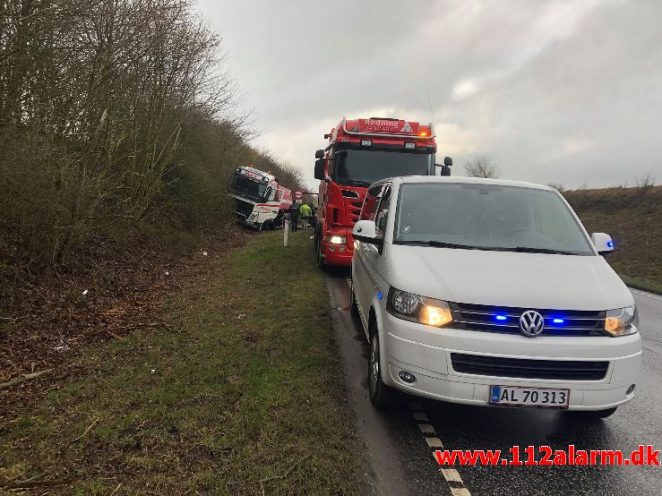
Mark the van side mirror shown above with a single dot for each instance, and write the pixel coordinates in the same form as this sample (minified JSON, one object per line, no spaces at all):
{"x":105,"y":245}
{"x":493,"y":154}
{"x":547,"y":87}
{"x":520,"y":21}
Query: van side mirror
{"x":319,"y":169}
{"x":603,"y":243}
{"x":448,"y":162}
{"x":319,"y":154}
{"x":366,"y":232}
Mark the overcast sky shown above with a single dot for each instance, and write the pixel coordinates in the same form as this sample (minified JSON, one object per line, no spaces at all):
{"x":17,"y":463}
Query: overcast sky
{"x":553,"y":91}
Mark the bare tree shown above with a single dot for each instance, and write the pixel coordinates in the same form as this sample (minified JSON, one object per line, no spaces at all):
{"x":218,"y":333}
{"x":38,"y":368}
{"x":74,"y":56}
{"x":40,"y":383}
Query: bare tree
{"x":112,"y":113}
{"x":482,"y":166}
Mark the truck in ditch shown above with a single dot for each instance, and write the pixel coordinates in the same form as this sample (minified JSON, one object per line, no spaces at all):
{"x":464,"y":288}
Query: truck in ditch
{"x":260,"y":201}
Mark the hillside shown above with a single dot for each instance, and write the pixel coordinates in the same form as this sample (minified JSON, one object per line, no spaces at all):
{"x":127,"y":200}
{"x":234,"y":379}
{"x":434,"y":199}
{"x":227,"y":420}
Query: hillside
{"x":633,"y":216}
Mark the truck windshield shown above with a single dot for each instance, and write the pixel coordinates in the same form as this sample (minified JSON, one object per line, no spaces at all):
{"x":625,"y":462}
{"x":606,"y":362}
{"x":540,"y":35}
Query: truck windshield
{"x":247,"y":187}
{"x":364,"y":167}
{"x":487,"y":217}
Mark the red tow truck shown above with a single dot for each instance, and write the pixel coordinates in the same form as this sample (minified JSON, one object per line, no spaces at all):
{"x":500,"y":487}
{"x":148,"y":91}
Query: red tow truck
{"x":360,"y":152}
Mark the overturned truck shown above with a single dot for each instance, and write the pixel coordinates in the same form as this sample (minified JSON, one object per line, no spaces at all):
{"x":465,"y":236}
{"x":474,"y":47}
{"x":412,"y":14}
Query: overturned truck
{"x":260,"y":201}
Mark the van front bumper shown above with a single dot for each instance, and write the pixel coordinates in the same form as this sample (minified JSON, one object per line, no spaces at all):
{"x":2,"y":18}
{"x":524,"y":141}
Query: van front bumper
{"x":426,"y":352}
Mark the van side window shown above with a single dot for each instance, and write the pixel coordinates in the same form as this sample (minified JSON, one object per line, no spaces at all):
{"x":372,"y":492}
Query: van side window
{"x":382,"y":210}
{"x":370,"y":206}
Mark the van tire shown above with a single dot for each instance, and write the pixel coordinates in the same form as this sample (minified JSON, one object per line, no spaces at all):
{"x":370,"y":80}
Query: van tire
{"x":381,"y":396}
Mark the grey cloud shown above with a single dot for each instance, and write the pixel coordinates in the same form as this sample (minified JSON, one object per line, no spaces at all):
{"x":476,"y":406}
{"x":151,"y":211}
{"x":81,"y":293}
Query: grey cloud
{"x":562,"y":91}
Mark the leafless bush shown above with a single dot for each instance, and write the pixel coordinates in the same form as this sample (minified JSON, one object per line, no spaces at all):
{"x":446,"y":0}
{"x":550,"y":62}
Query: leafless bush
{"x":645,"y":183}
{"x":482,"y":166}
{"x":112,"y":114}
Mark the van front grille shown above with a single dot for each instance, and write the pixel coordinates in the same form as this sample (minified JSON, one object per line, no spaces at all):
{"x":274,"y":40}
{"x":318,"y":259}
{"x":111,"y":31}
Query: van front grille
{"x":506,"y":320}
{"x":529,"y":369}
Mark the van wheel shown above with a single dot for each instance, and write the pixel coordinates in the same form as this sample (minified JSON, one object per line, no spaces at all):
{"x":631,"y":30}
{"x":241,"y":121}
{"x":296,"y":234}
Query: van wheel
{"x":381,"y":396}
{"x":592,"y":416}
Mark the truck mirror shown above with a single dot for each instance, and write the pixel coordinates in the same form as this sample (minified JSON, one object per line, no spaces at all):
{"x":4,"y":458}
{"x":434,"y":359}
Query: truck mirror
{"x":448,"y":161}
{"x":319,"y":169}
{"x":319,"y":154}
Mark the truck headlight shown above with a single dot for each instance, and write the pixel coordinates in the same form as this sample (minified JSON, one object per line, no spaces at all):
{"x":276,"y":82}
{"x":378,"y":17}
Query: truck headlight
{"x":409,"y":306}
{"x":622,"y":321}
{"x":336,"y":240}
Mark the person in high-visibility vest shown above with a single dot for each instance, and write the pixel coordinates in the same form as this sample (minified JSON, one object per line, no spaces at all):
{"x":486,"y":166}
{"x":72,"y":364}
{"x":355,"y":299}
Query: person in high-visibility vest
{"x":306,"y":212}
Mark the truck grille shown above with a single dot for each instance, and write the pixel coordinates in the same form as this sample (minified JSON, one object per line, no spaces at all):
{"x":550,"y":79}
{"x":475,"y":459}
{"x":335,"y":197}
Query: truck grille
{"x":242,"y":208}
{"x":506,"y":320}
{"x":353,"y":209}
{"x":529,"y":369}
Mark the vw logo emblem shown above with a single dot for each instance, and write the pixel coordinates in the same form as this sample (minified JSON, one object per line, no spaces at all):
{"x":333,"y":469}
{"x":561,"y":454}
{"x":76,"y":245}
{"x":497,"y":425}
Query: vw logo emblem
{"x":531,"y":323}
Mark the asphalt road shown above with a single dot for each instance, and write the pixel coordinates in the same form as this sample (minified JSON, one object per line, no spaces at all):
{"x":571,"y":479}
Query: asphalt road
{"x":402,"y":460}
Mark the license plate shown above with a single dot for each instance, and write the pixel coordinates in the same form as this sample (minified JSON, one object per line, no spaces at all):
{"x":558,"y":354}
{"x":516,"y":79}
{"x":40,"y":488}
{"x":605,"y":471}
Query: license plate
{"x":525,"y":396}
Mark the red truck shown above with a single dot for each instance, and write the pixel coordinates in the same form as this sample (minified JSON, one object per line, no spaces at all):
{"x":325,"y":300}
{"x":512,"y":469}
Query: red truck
{"x":360,"y":152}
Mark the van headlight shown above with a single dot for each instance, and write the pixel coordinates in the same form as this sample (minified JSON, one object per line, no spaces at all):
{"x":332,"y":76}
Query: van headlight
{"x":622,"y":321}
{"x":409,"y":306}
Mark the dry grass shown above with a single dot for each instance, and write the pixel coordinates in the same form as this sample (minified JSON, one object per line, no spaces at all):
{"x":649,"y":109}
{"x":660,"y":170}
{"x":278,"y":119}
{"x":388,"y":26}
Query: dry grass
{"x":241,"y":393}
{"x":633,"y":216}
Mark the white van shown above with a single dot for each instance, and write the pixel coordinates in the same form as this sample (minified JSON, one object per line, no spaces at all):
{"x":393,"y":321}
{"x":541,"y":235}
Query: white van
{"x":490,"y":292}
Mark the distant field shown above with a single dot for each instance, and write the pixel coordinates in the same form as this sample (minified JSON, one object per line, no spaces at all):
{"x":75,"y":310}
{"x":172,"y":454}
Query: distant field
{"x":633,"y":216}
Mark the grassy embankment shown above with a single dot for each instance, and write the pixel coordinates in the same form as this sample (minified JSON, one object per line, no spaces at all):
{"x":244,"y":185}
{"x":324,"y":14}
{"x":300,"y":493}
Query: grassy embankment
{"x":241,"y":393}
{"x":633,"y":216}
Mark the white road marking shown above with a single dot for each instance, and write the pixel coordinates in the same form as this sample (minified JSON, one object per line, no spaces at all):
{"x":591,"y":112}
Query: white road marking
{"x":427,"y":428}
{"x":434,"y":442}
{"x":421,"y":417}
{"x":451,"y":475}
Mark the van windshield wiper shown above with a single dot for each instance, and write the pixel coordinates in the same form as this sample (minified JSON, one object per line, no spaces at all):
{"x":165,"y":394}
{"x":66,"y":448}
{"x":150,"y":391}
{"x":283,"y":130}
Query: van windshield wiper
{"x":442,"y":244}
{"x":459,"y":246}
{"x":530,"y":249}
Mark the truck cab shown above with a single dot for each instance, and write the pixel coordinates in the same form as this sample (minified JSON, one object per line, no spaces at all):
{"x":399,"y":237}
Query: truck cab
{"x":359,"y":153}
{"x":259,"y":200}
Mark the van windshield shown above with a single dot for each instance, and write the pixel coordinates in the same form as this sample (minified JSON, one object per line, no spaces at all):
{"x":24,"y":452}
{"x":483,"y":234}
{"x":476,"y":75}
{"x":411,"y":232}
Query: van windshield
{"x":364,"y":167}
{"x":487,"y":217}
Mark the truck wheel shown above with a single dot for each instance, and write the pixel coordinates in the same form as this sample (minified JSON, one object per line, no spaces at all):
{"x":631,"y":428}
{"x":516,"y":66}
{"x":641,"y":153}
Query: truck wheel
{"x":381,"y":396}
